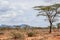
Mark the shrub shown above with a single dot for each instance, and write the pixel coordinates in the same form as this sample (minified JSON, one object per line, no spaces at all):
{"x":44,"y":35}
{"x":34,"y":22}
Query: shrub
{"x":1,"y":33}
{"x":17,"y":36}
{"x":58,"y":35}
{"x":31,"y":34}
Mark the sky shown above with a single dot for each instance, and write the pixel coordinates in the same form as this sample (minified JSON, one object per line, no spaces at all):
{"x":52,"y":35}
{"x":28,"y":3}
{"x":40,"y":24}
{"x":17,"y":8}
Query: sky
{"x":17,"y":12}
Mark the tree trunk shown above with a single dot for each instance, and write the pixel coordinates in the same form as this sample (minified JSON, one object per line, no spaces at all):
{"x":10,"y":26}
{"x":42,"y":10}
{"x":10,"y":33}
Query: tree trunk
{"x":50,"y":31}
{"x":58,"y":28}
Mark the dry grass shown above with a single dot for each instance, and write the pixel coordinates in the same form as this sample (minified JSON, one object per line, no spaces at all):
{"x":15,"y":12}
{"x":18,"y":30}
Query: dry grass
{"x":35,"y":34}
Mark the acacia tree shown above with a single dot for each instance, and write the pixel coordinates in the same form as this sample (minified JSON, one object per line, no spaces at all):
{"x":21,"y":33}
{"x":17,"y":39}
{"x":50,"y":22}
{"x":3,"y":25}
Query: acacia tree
{"x":51,"y":12}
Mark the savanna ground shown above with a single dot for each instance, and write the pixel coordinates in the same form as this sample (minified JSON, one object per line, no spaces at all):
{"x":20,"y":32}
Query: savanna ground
{"x":29,"y":34}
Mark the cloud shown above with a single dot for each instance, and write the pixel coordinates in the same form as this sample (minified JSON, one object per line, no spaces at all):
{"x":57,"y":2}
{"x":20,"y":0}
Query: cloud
{"x":52,"y":1}
{"x":21,"y":11}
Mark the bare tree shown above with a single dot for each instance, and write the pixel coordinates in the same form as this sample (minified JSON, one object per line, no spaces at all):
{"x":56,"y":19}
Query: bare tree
{"x":51,"y":12}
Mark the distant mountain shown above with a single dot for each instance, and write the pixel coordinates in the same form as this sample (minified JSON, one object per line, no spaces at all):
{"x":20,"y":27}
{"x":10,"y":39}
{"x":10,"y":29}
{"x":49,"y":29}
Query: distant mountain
{"x":13,"y":26}
{"x":24,"y":25}
{"x":5,"y":25}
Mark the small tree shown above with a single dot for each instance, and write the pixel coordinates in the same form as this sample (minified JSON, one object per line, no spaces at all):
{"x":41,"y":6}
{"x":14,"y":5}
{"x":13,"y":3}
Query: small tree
{"x":51,"y":12}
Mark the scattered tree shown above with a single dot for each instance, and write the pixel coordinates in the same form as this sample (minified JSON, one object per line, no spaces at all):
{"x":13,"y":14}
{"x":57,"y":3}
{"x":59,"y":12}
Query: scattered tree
{"x":51,"y":12}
